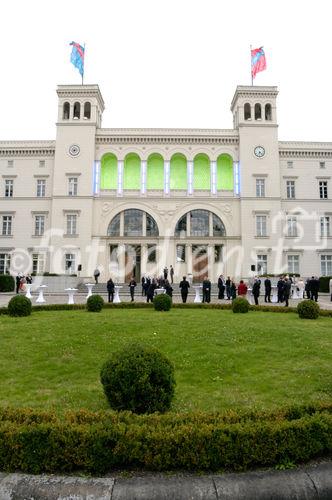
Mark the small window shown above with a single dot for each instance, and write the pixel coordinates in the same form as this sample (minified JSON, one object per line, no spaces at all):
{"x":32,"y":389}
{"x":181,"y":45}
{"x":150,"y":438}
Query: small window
{"x":181,"y":227}
{"x":114,"y":250}
{"x":66,"y":111}
{"x":152,"y":254}
{"x":292,"y":226}
{"x":71,"y":224}
{"x":4,"y":263}
{"x":290,"y":189}
{"x":247,"y":111}
{"x":10,"y":163}
{"x":323,"y":190}
{"x":72,"y":186}
{"x":325,"y":226}
{"x":326,"y":265}
{"x":151,"y":226}
{"x":258,"y":111}
{"x":9,"y":188}
{"x":87,"y":111}
{"x":268,"y":112}
{"x":38,"y":263}
{"x":289,"y":164}
{"x":261,"y":225}
{"x":39,"y":225}
{"x":41,"y":188}
{"x":41,"y":163}
{"x":293,"y":264}
{"x":260,"y":188}
{"x":261,"y":264}
{"x":77,"y":111}
{"x":7,"y":221}
{"x":70,"y":263}
{"x":114,"y":226}
{"x":180,"y":253}
{"x":322,"y":164}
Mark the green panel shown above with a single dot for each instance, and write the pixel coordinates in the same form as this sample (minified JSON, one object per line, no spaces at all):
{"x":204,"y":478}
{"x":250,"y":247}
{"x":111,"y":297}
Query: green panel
{"x":178,"y":173}
{"x":109,"y":172}
{"x":132,"y":172}
{"x":225,"y":178}
{"x":202,"y":174}
{"x":155,"y":172}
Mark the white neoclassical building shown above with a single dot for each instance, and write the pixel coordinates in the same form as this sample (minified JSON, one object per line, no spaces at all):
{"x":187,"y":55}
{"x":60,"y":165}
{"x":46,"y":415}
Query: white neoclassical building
{"x":132,"y":201}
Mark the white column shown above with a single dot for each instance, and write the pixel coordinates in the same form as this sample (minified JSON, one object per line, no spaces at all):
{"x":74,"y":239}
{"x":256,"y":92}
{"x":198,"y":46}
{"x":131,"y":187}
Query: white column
{"x":190,"y":176}
{"x":167,"y":169}
{"x":120,"y":177}
{"x":210,"y":254}
{"x":189,"y":257}
{"x":213,"y":168}
{"x":122,"y":261}
{"x":143,"y":176}
{"x":144,"y":258}
{"x":96,"y":178}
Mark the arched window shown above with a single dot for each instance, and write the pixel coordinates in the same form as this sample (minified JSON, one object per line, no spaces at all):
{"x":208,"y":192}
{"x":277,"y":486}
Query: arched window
{"x":247,"y":111}
{"x":132,"y":172}
{"x":133,"y":223}
{"x":109,"y":172}
{"x":178,"y":172}
{"x":77,"y":111}
{"x":258,"y":111}
{"x":202,"y":223}
{"x":268,"y":112}
{"x":225,"y":177}
{"x":87,"y":111}
{"x":66,"y":111}
{"x":155,"y":172}
{"x":202,"y":174}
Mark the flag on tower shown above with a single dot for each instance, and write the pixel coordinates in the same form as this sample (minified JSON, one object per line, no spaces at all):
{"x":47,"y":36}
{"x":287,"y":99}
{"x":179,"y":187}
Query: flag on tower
{"x":258,"y":61}
{"x":77,"y":57}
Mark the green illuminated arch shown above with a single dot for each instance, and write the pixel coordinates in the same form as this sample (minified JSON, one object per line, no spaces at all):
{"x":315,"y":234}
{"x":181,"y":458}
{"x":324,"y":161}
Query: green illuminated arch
{"x":155,"y":172}
{"x":202,"y":174}
{"x":109,"y":172}
{"x":132,"y":172}
{"x":178,"y":172}
{"x":225,"y":179}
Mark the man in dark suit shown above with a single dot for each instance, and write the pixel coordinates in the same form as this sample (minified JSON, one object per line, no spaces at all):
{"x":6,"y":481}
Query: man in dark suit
{"x":184,"y":287}
{"x":287,"y":290}
{"x":221,"y":287}
{"x":268,"y":286}
{"x":110,"y":290}
{"x":206,"y":290}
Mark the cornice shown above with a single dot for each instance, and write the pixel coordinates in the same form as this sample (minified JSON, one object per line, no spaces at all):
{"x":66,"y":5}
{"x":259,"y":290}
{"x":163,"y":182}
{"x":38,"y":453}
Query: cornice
{"x":167,"y":136}
{"x":249,"y":91}
{"x":299,"y":149}
{"x":27,"y":148}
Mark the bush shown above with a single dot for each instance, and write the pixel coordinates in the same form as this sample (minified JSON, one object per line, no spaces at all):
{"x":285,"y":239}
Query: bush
{"x":324,"y":284}
{"x":308,"y":309}
{"x":7,"y":283}
{"x":162,"y":302}
{"x":240,"y":305}
{"x":139,"y":379}
{"x":19,"y":306}
{"x":95,"y":303}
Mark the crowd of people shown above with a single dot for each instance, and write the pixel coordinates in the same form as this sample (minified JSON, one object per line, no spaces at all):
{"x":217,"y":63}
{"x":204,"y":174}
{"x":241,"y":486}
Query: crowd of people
{"x":21,"y":280}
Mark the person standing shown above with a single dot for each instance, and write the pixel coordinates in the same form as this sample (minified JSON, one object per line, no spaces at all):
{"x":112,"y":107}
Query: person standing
{"x":268,"y":287}
{"x":242,"y":289}
{"x":314,"y":288}
{"x":150,"y":290}
{"x":18,"y":282}
{"x":206,"y":290}
{"x":171,"y":273}
{"x":221,"y":287}
{"x":132,"y":285}
{"x":330,"y":288}
{"x":110,"y":290}
{"x":165,"y":273}
{"x":168,"y":288}
{"x":287,"y":290}
{"x":96,"y":274}
{"x":280,"y":287}
{"x":228,"y":287}
{"x":184,"y":287}
{"x":256,"y":289}
{"x":143,"y":280}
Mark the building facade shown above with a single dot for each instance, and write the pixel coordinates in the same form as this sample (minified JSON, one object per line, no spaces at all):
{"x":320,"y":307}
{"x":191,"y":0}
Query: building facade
{"x":236,"y":202}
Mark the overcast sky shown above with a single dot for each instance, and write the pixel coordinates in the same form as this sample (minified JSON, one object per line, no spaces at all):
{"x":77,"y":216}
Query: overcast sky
{"x":159,"y":63}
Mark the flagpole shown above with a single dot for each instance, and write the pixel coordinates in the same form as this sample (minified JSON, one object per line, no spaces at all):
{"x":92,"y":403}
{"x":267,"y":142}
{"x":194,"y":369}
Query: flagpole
{"x":252,"y":80}
{"x":83,"y":62}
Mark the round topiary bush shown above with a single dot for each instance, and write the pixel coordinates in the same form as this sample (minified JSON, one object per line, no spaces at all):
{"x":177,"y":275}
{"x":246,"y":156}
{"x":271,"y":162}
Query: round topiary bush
{"x":19,"y":306}
{"x":308,"y":309}
{"x":95,"y":303}
{"x":240,"y":305}
{"x":162,"y":302}
{"x":139,"y":379}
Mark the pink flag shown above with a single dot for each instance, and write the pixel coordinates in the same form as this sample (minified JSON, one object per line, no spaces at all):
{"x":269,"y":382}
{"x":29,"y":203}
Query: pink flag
{"x":258,"y":61}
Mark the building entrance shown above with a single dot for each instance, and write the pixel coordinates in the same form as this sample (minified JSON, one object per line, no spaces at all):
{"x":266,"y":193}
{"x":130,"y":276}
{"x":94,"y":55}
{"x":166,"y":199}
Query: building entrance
{"x":132,"y":262}
{"x":200,"y":262}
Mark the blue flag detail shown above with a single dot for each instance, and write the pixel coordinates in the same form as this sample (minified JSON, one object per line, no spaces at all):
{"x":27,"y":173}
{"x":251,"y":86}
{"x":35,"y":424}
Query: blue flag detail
{"x":77,"y":57}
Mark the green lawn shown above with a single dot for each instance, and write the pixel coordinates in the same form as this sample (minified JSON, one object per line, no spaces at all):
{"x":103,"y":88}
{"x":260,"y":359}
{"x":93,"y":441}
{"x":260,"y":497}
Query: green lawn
{"x":222,"y":360}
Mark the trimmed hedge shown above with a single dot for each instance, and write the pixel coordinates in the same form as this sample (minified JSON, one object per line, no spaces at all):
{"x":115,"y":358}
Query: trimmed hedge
{"x":308,"y":309}
{"x":7,"y":283}
{"x":98,"y":443}
{"x":240,"y":305}
{"x":139,"y":379}
{"x":324,"y":284}
{"x":162,"y":302}
{"x":19,"y":305}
